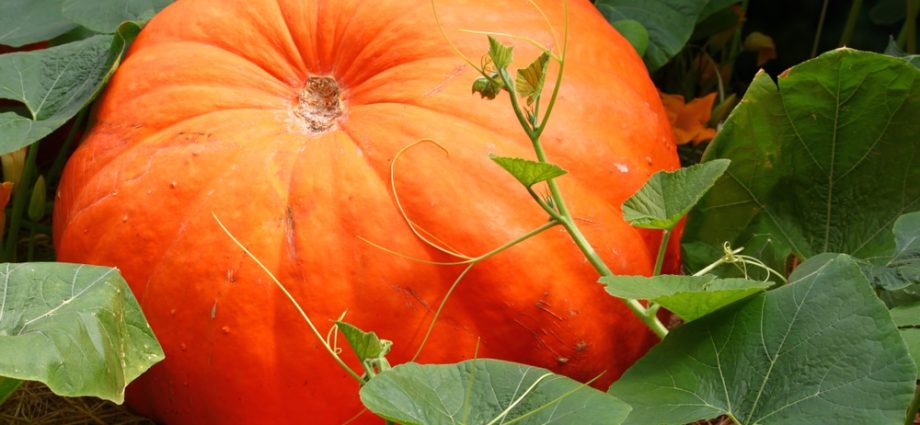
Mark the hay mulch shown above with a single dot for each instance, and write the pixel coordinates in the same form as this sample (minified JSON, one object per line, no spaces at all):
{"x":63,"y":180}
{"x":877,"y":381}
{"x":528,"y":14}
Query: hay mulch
{"x":34,"y":404}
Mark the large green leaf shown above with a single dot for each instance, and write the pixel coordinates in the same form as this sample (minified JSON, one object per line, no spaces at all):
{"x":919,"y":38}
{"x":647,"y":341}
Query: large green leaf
{"x":55,"y":84}
{"x":483,"y":390}
{"x":104,"y":16}
{"x":824,"y":161}
{"x":669,"y":23}
{"x":907,"y":319}
{"x":820,"y":350}
{"x":690,"y":297}
{"x":30,"y":21}
{"x":75,"y":328}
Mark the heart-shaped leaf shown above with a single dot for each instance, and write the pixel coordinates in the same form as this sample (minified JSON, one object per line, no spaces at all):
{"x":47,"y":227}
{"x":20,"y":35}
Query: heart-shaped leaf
{"x":78,"y":329}
{"x":820,"y":350}
{"x":55,"y":84}
{"x":825,"y":161}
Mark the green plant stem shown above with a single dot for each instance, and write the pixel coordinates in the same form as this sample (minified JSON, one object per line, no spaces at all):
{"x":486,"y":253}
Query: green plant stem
{"x":7,"y":387}
{"x":21,"y":195}
{"x":852,"y":17}
{"x":735,"y":47}
{"x":914,"y":407}
{"x":290,"y":297}
{"x":30,"y":253}
{"x":910,"y":26}
{"x":814,"y":47}
{"x":561,"y":214}
{"x":662,"y":249}
{"x":473,"y":262}
{"x":54,"y":173}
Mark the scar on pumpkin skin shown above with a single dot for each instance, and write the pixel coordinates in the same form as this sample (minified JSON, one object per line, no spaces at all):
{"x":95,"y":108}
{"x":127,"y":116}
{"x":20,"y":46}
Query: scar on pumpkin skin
{"x":319,"y":104}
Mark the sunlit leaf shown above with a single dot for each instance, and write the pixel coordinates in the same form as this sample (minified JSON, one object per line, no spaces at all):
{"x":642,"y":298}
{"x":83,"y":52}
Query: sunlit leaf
{"x":668,"y":195}
{"x":529,"y":81}
{"x":526,"y":171}
{"x":483,"y":390}
{"x":77,"y":329}
{"x":690,"y":297}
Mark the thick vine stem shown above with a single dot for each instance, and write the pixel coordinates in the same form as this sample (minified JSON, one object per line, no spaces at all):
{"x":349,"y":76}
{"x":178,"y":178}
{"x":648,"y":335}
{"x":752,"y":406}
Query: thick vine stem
{"x":560,"y":213}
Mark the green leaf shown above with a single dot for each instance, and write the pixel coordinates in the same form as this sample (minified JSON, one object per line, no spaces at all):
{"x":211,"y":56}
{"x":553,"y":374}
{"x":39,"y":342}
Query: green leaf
{"x":888,"y":12}
{"x":820,"y":350}
{"x":907,"y":318}
{"x":30,"y":21}
{"x":825,"y":161}
{"x":901,"y":268}
{"x":55,"y":84}
{"x":669,"y":23}
{"x":75,"y":328}
{"x":366,"y":345}
{"x":7,"y":387}
{"x":479,"y":391}
{"x":667,"y":196}
{"x":499,"y":53}
{"x":690,"y":297}
{"x":893,"y":50}
{"x":528,"y":172}
{"x":529,"y":81}
{"x":488,"y":88}
{"x":634,"y":32}
{"x":37,"y":200}
{"x":104,"y":16}
{"x":715,"y":6}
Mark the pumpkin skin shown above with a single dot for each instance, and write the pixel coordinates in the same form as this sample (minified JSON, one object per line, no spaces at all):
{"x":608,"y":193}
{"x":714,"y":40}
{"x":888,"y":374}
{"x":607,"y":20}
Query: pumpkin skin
{"x":202,"y":119}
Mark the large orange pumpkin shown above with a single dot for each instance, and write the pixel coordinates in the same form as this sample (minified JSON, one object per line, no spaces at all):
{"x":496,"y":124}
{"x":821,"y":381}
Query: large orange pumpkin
{"x":282,"y":118}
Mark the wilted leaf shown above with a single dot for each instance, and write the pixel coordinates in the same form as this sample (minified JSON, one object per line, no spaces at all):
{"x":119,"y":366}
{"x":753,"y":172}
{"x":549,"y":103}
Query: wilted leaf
{"x":529,"y":81}
{"x":762,"y":44}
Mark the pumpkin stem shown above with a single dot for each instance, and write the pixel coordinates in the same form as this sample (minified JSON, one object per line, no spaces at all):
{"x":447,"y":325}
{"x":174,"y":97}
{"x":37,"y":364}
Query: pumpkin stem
{"x":319,"y":104}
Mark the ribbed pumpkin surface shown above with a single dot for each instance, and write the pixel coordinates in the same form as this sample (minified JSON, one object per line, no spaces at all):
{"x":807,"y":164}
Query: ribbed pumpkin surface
{"x":229,"y":108}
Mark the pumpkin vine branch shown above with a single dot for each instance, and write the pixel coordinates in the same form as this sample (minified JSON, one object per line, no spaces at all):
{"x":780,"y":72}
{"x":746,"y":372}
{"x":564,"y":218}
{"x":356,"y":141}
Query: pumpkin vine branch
{"x":525,"y":93}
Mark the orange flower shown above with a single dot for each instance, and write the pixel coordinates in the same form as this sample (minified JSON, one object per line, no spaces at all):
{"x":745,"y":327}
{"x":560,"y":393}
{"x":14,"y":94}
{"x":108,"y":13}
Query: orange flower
{"x":6,"y":188}
{"x":688,"y":120}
